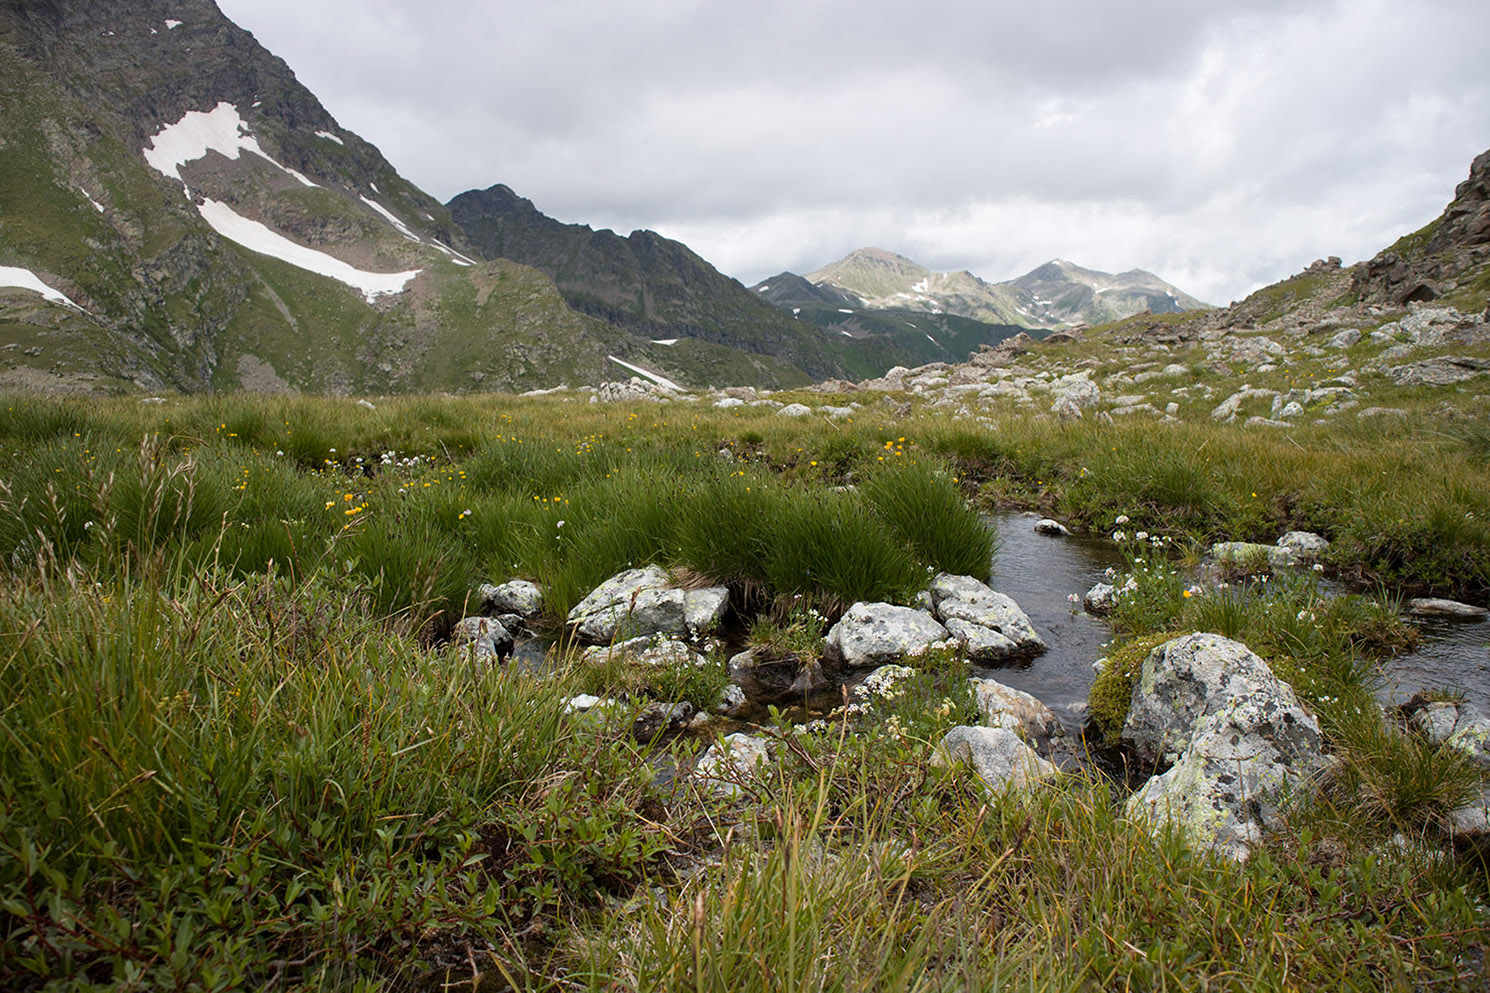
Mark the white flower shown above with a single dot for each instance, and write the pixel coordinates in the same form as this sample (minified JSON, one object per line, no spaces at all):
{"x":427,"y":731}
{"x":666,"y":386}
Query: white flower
{"x":1119,"y":536}
{"x":1121,"y":518}
{"x":1141,"y":536}
{"x":560,"y":524}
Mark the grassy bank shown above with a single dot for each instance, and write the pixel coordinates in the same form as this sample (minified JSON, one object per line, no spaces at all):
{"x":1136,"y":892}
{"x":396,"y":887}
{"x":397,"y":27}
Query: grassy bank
{"x":238,"y":754}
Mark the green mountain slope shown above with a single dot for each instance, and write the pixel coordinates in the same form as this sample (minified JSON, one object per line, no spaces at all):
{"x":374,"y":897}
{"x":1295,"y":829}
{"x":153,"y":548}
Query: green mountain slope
{"x":214,"y":228}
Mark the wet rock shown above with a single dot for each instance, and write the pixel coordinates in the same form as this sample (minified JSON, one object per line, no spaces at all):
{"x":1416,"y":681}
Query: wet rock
{"x":1102,"y":599}
{"x":989,"y":625}
{"x":1003,"y":706}
{"x":1054,"y":529}
{"x":518,"y":597}
{"x":764,"y":679}
{"x":871,"y":634}
{"x":997,"y":755}
{"x":1436,"y":607}
{"x":661,"y":720}
{"x":731,"y":701}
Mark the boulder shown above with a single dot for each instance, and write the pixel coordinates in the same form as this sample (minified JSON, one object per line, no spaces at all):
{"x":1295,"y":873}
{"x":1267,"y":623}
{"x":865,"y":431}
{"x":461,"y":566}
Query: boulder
{"x":1015,"y":710}
{"x":1441,"y":371}
{"x":660,"y":720}
{"x":639,"y":602}
{"x":648,"y":650}
{"x":997,"y":755}
{"x":484,"y":637}
{"x":1242,"y":758}
{"x":1103,"y":598}
{"x":1188,"y":678}
{"x":1305,"y":546}
{"x":989,"y":625}
{"x":1054,"y":529}
{"x":794,"y":410}
{"x":764,"y":679}
{"x":1435,"y":607}
{"x":737,"y":758}
{"x":518,"y":597}
{"x":871,"y":634}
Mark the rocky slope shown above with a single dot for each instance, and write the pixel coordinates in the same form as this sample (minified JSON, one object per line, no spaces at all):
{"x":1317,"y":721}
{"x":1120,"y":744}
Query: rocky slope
{"x":1057,"y":294}
{"x":177,"y":211}
{"x":658,"y":288}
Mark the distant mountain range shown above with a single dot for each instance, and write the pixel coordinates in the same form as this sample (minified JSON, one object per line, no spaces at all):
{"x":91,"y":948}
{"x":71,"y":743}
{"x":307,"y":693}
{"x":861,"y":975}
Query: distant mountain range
{"x":1057,"y":294}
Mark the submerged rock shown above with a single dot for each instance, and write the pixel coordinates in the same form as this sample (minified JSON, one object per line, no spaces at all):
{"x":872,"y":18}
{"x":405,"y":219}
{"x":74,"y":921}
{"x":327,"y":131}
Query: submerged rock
{"x":765,"y":680}
{"x":1434,"y":607}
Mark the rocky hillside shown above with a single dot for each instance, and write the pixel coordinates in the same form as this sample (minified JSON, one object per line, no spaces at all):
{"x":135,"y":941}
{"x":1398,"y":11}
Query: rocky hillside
{"x":177,"y":211}
{"x":1057,"y":294}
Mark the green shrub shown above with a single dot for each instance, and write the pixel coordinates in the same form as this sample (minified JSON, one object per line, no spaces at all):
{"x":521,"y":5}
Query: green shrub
{"x":921,"y":503}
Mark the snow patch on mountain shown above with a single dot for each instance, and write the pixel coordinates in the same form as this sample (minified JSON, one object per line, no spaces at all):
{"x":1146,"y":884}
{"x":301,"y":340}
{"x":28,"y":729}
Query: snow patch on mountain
{"x":25,"y":279}
{"x":662,"y":381}
{"x":219,"y":130}
{"x":402,"y":228}
{"x":257,"y":237}
{"x":331,"y":137}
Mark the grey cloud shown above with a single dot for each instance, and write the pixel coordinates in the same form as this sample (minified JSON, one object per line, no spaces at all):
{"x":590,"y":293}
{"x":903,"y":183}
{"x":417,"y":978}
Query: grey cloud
{"x":768,"y":132}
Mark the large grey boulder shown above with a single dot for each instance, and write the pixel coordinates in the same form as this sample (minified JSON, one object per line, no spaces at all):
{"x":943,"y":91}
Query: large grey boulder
{"x":1470,"y":734}
{"x":872,"y":634}
{"x":1243,"y":758}
{"x":1003,"y":706}
{"x":654,"y":651}
{"x":1001,"y":760}
{"x":1192,"y":677}
{"x":989,"y":625}
{"x":1440,"y":371}
{"x":640,"y":602}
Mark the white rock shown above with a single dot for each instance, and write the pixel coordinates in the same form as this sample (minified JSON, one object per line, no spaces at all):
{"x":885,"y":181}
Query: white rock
{"x":989,"y":625}
{"x":1001,"y":760}
{"x":872,"y":634}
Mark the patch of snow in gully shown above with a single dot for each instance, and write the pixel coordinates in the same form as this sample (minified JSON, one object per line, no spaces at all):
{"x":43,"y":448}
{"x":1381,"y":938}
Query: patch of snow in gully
{"x":25,"y":279}
{"x":219,"y":130}
{"x":659,"y":380}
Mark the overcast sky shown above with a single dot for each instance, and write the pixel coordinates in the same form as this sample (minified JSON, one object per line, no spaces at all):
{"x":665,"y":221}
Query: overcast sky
{"x":1222,"y":145}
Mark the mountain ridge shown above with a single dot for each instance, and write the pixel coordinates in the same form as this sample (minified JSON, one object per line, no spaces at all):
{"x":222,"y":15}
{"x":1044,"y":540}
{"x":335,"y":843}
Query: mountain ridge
{"x":1057,"y":294}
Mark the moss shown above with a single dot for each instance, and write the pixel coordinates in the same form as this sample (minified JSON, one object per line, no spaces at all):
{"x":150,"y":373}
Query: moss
{"x":1112,"y":692}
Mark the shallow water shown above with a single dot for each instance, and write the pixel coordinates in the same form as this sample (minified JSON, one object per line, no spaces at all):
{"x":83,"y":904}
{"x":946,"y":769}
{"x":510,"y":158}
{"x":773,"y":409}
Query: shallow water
{"x":1453,"y":654}
{"x":1040,"y":572}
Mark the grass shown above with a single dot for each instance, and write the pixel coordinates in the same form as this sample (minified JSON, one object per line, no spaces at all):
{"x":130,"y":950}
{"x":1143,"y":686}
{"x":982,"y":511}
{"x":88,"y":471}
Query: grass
{"x":237,"y":757}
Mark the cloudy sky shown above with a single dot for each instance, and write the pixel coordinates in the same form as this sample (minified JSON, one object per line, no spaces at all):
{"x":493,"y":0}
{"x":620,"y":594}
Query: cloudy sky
{"x":1222,"y":145}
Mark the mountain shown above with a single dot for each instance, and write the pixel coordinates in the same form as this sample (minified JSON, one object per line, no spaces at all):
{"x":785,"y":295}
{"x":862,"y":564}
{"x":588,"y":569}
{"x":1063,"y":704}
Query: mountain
{"x":643,"y":283}
{"x":178,"y":211}
{"x":884,"y":337}
{"x":1057,"y":294}
{"x":652,"y":286}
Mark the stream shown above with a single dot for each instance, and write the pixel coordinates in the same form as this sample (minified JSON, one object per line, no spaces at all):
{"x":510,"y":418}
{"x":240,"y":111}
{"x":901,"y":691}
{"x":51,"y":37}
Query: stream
{"x":1039,"y":572}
